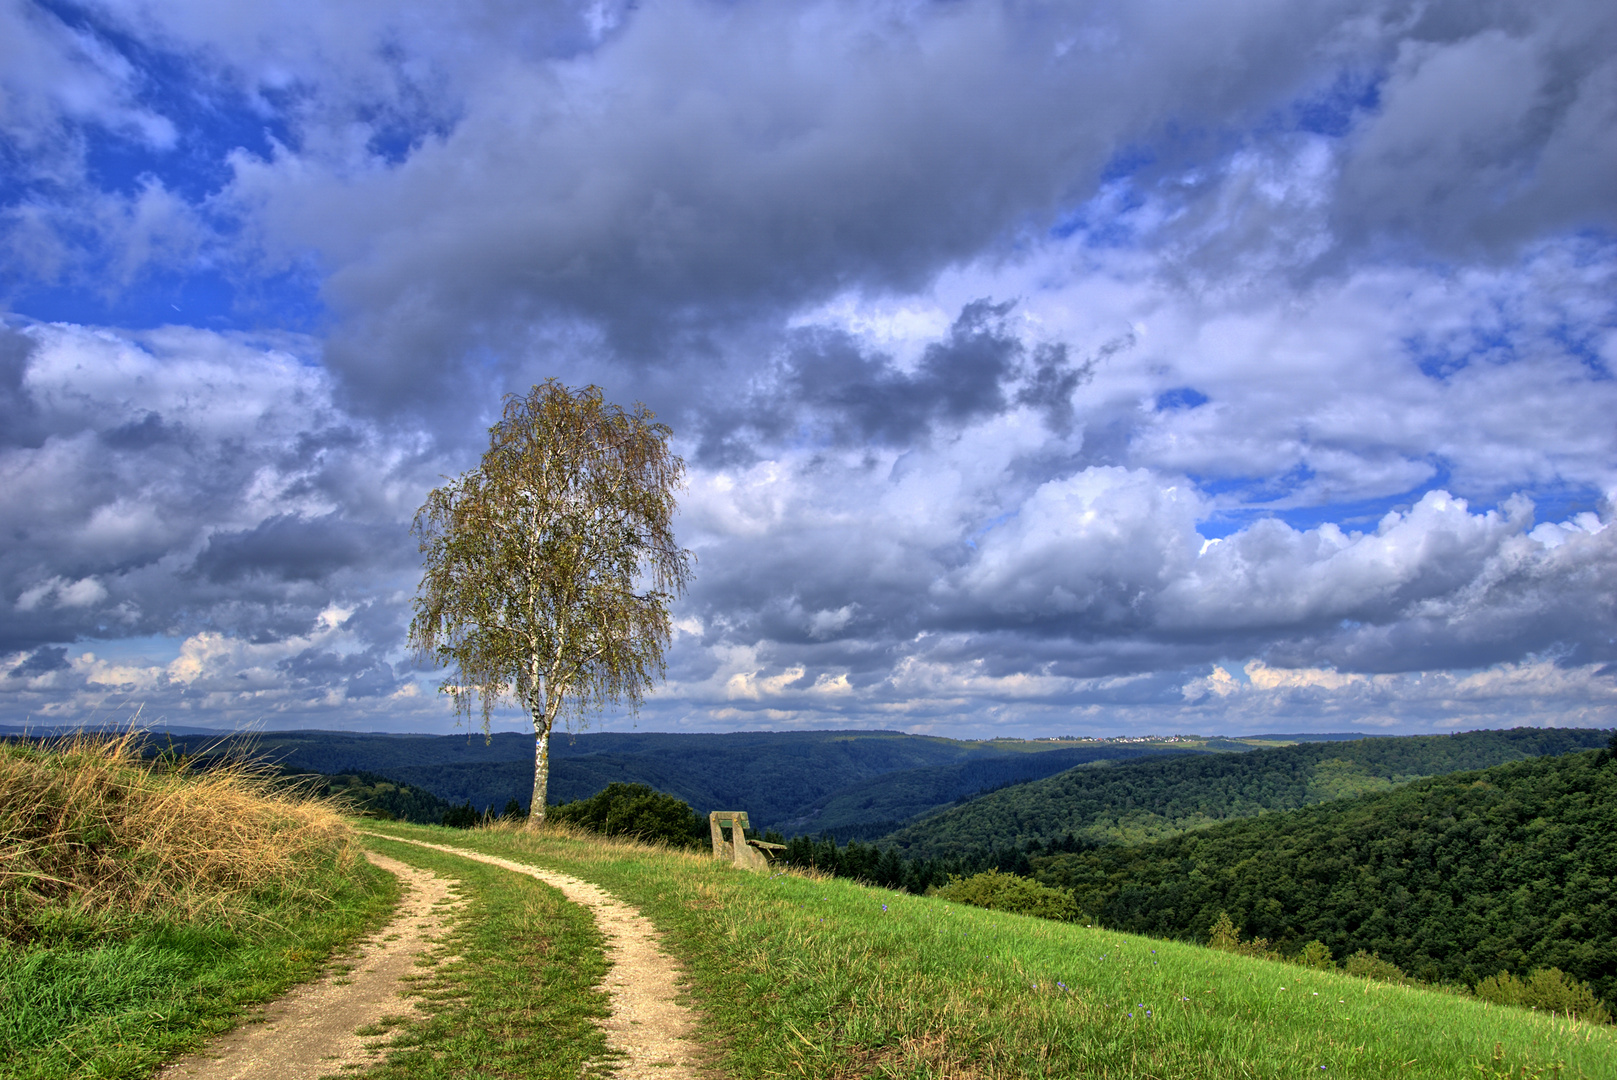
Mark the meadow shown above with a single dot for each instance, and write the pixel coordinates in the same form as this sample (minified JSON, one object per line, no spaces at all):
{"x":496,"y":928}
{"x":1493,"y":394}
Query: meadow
{"x":798,"y":975}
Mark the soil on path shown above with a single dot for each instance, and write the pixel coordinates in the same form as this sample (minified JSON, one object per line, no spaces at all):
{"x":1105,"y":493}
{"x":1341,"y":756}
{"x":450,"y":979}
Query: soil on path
{"x":649,"y":1026}
{"x":313,"y":1031}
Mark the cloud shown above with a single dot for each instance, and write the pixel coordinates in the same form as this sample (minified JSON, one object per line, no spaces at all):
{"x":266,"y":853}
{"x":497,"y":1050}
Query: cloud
{"x":179,"y":479}
{"x":1485,"y":135}
{"x":1146,"y":364}
{"x":834,"y":386}
{"x":704,"y":170}
{"x":288,"y":547}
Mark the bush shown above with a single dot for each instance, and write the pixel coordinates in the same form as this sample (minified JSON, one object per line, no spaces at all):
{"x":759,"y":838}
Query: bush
{"x":1550,"y":989}
{"x":1224,"y":936}
{"x":638,"y":811}
{"x":1368,"y":965}
{"x":1316,"y":954}
{"x":1009,"y":892}
{"x":462,"y":817}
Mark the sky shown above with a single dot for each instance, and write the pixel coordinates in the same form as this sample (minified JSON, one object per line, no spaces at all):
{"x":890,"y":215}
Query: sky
{"x":1039,"y":369}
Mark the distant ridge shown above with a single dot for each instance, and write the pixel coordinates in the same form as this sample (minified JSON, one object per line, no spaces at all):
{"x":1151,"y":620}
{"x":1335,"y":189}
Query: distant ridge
{"x":51,"y":731}
{"x":1314,"y":736}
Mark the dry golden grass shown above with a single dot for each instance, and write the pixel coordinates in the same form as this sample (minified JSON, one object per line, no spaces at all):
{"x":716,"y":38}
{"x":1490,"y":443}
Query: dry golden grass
{"x":89,"y":826}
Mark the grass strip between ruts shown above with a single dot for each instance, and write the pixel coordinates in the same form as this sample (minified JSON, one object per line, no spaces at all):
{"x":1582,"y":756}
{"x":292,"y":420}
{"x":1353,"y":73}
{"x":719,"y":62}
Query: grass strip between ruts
{"x":825,"y":978}
{"x":512,"y":990}
{"x":117,"y":1005}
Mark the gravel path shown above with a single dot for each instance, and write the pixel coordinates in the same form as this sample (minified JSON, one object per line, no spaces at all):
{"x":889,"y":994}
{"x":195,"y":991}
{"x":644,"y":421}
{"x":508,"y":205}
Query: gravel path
{"x":649,"y":1025}
{"x":311,"y":1032}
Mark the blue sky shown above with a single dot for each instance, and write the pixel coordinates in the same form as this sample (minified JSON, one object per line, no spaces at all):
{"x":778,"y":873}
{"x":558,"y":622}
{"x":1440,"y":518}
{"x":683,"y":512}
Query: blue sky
{"x":1088,"y":368}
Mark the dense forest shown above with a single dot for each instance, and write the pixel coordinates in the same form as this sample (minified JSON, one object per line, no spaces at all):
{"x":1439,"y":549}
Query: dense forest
{"x":1134,"y":801}
{"x":1453,"y":878}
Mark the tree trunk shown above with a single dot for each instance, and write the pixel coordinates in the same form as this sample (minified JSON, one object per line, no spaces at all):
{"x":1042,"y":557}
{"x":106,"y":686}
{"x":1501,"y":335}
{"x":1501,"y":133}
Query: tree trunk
{"x":541,"y":775}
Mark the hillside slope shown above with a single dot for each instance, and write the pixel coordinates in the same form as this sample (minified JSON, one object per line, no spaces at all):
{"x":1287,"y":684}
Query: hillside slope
{"x":1129,"y":802}
{"x":1457,"y":877}
{"x":807,"y":977}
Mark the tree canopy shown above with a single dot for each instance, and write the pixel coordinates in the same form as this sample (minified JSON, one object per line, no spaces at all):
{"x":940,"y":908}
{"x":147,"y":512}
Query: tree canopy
{"x":549,"y":569}
{"x":1457,"y":877}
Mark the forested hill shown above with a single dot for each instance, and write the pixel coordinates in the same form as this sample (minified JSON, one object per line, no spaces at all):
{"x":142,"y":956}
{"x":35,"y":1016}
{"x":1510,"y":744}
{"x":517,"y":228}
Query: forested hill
{"x":1134,"y":801}
{"x":872,"y":807}
{"x":1457,"y":877}
{"x":775,"y":776}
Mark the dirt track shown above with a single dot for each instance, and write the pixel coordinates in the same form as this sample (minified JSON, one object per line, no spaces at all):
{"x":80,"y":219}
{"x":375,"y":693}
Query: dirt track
{"x":311,"y":1032}
{"x":649,"y":1026}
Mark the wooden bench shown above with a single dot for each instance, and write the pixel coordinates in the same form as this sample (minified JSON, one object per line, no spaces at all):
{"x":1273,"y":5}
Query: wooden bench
{"x":751,"y":854}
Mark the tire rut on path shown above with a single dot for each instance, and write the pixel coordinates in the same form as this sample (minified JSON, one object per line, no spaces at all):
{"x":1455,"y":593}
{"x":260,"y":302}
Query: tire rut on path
{"x":649,"y":1026}
{"x":313,"y":1030}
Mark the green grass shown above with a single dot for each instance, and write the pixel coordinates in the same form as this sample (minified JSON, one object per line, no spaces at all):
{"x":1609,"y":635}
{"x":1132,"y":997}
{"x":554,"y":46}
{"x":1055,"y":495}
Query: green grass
{"x":519,"y":996}
{"x":145,"y":906}
{"x":799,"y":977}
{"x":87,"y":1001}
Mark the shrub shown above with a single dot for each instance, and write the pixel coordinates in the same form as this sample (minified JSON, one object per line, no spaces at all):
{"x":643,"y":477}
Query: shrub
{"x":638,"y":811}
{"x":462,"y":817}
{"x":1224,"y":936}
{"x":1316,"y":954}
{"x":1368,"y":965}
{"x":1550,"y":989}
{"x":1009,"y":892}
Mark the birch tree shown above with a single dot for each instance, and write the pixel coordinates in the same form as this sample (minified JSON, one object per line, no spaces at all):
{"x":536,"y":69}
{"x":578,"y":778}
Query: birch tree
{"x":549,"y":569}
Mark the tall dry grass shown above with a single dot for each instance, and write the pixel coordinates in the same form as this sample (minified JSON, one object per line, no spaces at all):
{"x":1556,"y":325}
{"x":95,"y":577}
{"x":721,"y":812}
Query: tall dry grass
{"x":91,"y":828}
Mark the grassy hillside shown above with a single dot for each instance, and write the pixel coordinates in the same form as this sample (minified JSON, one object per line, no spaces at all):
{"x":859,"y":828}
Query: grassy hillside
{"x":829,"y":979}
{"x":1458,"y":877}
{"x":143,"y":907}
{"x":1134,"y":801}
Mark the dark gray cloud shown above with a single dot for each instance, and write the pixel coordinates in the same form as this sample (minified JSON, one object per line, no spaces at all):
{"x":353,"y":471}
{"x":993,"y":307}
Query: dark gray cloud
{"x":289,"y":547}
{"x":19,"y":419}
{"x":956,"y":380}
{"x":831,"y":387}
{"x":46,"y":658}
{"x":696,"y":174}
{"x":1492,"y":125}
{"x":361,"y":675}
